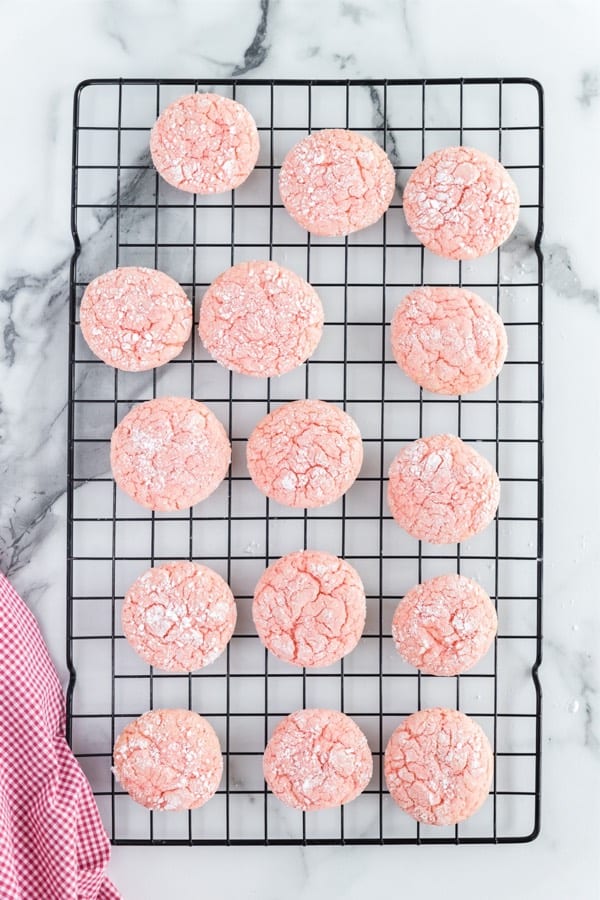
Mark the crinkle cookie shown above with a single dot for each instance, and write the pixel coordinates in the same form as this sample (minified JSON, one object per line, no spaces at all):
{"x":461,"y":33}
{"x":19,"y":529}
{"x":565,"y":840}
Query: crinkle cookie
{"x":461,"y":203}
{"x":169,"y":453}
{"x":335,"y":181}
{"x":317,"y":759}
{"x":441,"y":490}
{"x":309,"y":608}
{"x":448,"y":340}
{"x":260,"y":319}
{"x":134,"y":318}
{"x":204,"y":144}
{"x":169,"y":759}
{"x":439,"y":766}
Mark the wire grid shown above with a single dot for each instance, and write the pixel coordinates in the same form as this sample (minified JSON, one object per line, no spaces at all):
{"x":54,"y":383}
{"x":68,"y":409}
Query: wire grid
{"x":122,"y":213}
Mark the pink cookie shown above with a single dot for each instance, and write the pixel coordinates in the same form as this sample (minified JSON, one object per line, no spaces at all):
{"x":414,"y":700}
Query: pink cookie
{"x":305,"y":454}
{"x":439,"y":766}
{"x":135,"y":319}
{"x":461,"y":203}
{"x":317,"y":759}
{"x":445,"y":625}
{"x":309,"y":608}
{"x":334,"y":182}
{"x":260,"y":319}
{"x":441,"y":490}
{"x":448,"y":340}
{"x":169,"y":759}
{"x":204,"y":144}
{"x":179,"y":616}
{"x":169,"y":453}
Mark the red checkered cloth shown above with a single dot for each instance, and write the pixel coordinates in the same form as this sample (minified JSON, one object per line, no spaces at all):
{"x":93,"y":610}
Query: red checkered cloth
{"x":52,"y":842}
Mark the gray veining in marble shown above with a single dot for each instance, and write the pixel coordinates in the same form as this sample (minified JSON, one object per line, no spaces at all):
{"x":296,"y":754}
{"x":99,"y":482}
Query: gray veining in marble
{"x":257,"y":51}
{"x":590,"y":88}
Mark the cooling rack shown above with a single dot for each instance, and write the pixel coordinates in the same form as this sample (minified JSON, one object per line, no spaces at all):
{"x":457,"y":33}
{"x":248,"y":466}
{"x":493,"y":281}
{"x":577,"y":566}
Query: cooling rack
{"x":124,"y":214}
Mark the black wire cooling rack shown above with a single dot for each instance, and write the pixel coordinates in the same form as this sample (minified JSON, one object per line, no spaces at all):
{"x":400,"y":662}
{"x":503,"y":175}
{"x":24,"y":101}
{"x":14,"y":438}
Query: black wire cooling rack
{"x":123,"y":213}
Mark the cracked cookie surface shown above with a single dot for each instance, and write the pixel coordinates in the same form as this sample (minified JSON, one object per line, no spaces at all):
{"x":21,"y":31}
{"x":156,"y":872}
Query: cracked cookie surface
{"x":305,"y":454}
{"x":179,"y":616}
{"x":448,"y":340}
{"x":169,"y":453}
{"x":260,"y":319}
{"x":169,"y":759}
{"x":317,"y":759}
{"x":441,"y":490}
{"x":335,"y":181}
{"x":134,"y":318}
{"x":204,"y":144}
{"x":461,"y":203}
{"x":439,"y":766}
{"x":309,"y":608}
{"x":445,"y":625}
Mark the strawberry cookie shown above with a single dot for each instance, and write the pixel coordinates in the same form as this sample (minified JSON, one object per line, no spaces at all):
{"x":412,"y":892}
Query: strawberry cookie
{"x":448,"y":340}
{"x":441,"y":490}
{"x":317,"y":759}
{"x":260,"y":319}
{"x":445,"y":625}
{"x":204,"y":144}
{"x":305,"y":454}
{"x":309,"y":608}
{"x":169,"y":759}
{"x":336,"y":181}
{"x":134,"y":318}
{"x":439,"y":766}
{"x":461,"y":203}
{"x":169,"y":453}
{"x":179,"y":616}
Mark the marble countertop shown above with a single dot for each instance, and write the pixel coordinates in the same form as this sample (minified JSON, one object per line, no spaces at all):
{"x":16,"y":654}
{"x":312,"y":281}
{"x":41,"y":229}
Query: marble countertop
{"x":45,"y":50}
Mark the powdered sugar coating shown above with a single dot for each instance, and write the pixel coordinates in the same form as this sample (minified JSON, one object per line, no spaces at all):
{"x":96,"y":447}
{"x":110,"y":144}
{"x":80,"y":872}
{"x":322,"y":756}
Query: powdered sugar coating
{"x":439,"y":766}
{"x":441,"y":490}
{"x":169,"y":453}
{"x":445,"y":625}
{"x":461,"y":203}
{"x":448,"y":340}
{"x":305,"y":454}
{"x":335,"y":181}
{"x":317,"y":759}
{"x":179,"y":616}
{"x":135,"y":318}
{"x":169,"y":759}
{"x":261,"y":319}
{"x":309,"y":608}
{"x":204,"y":144}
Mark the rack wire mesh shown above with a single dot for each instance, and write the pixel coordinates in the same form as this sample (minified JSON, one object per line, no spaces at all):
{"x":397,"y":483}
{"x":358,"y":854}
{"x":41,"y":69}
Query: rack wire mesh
{"x":123,"y":213}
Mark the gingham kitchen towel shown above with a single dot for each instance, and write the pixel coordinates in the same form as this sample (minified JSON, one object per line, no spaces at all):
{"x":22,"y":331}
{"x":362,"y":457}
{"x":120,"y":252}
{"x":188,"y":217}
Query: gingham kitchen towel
{"x":52,"y":842}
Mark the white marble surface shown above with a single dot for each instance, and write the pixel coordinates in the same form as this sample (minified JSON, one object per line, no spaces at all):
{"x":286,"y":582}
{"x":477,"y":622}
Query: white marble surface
{"x":45,"y":50}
